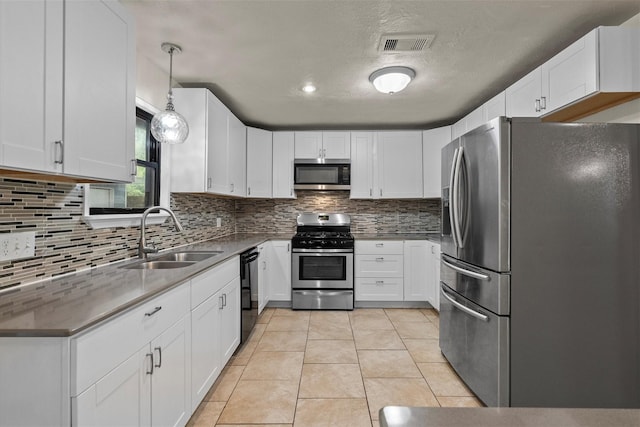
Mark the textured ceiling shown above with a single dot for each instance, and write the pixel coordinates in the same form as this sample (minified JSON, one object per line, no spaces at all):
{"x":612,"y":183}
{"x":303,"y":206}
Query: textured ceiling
{"x":256,"y":54}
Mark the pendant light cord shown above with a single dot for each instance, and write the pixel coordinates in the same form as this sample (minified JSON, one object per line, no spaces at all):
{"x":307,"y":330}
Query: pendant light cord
{"x":170,"y":94}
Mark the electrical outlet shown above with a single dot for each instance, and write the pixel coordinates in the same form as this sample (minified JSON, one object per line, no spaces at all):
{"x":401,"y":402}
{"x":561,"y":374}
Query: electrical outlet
{"x":218,"y":222}
{"x":17,"y":245}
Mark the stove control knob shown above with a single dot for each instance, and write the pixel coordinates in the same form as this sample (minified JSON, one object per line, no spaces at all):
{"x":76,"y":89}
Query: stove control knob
{"x":334,"y":242}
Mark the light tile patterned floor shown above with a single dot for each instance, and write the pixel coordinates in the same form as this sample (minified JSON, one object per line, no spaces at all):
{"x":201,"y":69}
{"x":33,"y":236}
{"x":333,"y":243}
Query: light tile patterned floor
{"x":333,"y":368}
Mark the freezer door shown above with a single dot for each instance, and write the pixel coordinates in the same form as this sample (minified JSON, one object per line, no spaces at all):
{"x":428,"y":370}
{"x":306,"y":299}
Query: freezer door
{"x":481,"y":196}
{"x":476,"y":343}
{"x":449,"y":152}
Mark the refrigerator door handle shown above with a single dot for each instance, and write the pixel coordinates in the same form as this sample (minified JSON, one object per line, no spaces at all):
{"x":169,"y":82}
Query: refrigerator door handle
{"x":455,"y":198}
{"x":466,"y":272}
{"x":462,"y":308}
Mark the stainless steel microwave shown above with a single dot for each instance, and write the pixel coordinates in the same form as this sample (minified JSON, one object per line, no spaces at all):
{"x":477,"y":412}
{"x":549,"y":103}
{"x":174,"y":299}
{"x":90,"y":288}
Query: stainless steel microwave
{"x":312,"y":174}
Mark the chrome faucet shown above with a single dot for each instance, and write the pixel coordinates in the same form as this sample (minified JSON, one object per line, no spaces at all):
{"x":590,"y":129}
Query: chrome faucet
{"x":143,"y":249}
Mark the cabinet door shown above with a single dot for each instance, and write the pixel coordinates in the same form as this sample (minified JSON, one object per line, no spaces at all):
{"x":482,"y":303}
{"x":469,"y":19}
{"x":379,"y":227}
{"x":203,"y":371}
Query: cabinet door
{"x":170,"y":391}
{"x":263,"y":279}
{"x":308,"y":145}
{"x":30,"y":83}
{"x":571,"y":74}
{"x":400,"y":165}
{"x":523,"y":98}
{"x":237,"y":168}
{"x":279,"y":270}
{"x":217,"y":147}
{"x":229,"y":319}
{"x":120,"y":398}
{"x":99,"y":90}
{"x":336,"y":145}
{"x":259,"y":163}
{"x":417,"y":266}
{"x":432,"y":142}
{"x":495,"y":107}
{"x":362,"y":184}
{"x":379,"y":289}
{"x":283,"y":154}
{"x":205,"y":351}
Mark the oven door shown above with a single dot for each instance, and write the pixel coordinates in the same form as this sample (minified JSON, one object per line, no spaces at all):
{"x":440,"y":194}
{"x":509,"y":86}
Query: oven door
{"x":322,"y":269}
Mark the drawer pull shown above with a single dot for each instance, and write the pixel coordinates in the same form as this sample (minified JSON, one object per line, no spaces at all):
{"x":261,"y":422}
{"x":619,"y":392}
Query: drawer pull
{"x":379,"y":245}
{"x":380,"y":259}
{"x":155,"y":310}
{"x":379,"y":282}
{"x":150,"y":372}
{"x":159,"y":364}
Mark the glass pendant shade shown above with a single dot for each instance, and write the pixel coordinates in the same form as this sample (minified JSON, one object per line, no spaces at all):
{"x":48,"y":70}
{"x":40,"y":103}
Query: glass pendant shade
{"x":168,"y":126}
{"x":392,"y":79}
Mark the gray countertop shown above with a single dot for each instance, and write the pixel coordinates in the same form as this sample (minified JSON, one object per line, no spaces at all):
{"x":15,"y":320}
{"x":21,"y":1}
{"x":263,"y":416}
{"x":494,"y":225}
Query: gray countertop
{"x":69,"y":304}
{"x":404,"y":416}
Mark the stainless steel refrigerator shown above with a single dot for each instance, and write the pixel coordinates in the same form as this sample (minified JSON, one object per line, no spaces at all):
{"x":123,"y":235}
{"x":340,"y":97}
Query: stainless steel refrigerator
{"x":540,"y":273}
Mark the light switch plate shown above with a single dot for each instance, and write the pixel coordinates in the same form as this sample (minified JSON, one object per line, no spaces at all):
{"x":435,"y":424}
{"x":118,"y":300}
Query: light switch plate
{"x":17,"y":245}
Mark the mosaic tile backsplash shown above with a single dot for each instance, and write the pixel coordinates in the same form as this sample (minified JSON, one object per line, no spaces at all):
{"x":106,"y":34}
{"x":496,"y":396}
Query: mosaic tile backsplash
{"x":64,"y":243}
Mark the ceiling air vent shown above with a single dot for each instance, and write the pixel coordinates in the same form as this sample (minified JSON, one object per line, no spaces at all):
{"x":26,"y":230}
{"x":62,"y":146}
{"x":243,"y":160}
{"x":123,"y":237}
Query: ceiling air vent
{"x":405,"y":42}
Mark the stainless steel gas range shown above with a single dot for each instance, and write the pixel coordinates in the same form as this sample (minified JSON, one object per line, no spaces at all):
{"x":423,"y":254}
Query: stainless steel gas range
{"x":322,"y":262}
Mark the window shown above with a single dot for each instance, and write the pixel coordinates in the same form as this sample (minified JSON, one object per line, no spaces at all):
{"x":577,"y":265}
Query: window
{"x":144,"y":192}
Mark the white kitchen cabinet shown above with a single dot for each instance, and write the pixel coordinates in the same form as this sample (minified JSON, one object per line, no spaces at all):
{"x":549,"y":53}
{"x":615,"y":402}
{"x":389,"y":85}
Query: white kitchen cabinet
{"x":474,"y":119}
{"x":379,"y":270}
{"x":399,"y":164}
{"x":432,"y":142}
{"x":322,"y":145}
{"x":416,"y":269}
{"x":52,"y":54}
{"x":279,"y":269}
{"x":213,"y":158}
{"x":263,"y":280}
{"x":148,"y":353}
{"x":386,"y":165}
{"x":524,"y":97}
{"x":215,"y":324}
{"x":495,"y":107}
{"x":459,"y":128}
{"x":362,"y":165}
{"x":259,"y":163}
{"x":283,"y":156}
{"x":431,"y":274}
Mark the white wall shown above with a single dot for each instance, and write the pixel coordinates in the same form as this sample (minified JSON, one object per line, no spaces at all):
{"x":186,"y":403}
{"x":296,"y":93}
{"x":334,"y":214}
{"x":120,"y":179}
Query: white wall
{"x":152,"y":82}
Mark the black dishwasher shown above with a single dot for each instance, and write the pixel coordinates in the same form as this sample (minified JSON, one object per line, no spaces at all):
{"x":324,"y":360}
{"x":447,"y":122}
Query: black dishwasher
{"x":249,"y":291}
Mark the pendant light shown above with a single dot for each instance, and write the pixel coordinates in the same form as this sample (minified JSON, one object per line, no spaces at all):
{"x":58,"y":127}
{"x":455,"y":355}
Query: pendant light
{"x":168,"y":126}
{"x":391,"y":79}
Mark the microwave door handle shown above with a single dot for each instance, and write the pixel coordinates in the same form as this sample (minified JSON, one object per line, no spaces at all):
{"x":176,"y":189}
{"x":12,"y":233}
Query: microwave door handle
{"x":462,"y":308}
{"x":452,"y":197}
{"x":466,"y":272}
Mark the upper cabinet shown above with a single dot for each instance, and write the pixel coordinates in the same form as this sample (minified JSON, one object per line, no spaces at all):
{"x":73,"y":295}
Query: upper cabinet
{"x":283,"y":156}
{"x":432,"y":142}
{"x":322,"y":145}
{"x":259,"y":163}
{"x":213,"y":158}
{"x":386,"y":165}
{"x":597,"y":71}
{"x":66,"y":69}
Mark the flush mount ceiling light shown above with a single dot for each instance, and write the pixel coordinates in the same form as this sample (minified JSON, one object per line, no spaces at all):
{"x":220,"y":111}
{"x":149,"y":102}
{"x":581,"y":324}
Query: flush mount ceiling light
{"x":391,"y":79}
{"x":308,"y":88}
{"x":168,"y":126}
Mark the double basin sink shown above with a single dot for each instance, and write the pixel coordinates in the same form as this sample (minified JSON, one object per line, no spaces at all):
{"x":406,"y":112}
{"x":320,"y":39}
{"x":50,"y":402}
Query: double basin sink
{"x":172,"y":260}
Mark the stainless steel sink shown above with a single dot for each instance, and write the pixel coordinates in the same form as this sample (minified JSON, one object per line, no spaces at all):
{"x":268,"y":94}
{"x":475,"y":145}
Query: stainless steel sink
{"x":172,"y":260}
{"x":187,"y":256}
{"x":158,"y":265}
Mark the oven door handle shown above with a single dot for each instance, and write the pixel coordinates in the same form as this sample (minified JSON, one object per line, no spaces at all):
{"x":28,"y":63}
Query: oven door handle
{"x":461,"y":307}
{"x":322,"y":251}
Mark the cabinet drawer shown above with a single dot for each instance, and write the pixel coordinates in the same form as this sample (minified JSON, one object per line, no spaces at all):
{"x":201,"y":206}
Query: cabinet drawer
{"x":379,"y":289}
{"x":379,"y":266}
{"x":211,"y":281}
{"x":374,"y":247}
{"x":98,"y":351}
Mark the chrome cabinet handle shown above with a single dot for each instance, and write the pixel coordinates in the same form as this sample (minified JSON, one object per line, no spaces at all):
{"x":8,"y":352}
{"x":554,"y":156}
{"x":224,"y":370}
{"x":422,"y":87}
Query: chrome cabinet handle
{"x":379,"y":245}
{"x":370,"y":192}
{"x":232,"y":187}
{"x":209,"y":182}
{"x":380,"y":259}
{"x":224,"y":300}
{"x":379,"y":282}
{"x":60,"y":159}
{"x":288,"y":247}
{"x":544,"y":103}
{"x":466,"y":272}
{"x":320,"y":153}
{"x":154,"y":311}
{"x":134,"y":167}
{"x":220,"y":303}
{"x":248,"y":191}
{"x":150,"y":372}
{"x":381,"y":192}
{"x":159,"y":364}
{"x":537,"y":105}
{"x":464,"y":309}
{"x":324,"y":152}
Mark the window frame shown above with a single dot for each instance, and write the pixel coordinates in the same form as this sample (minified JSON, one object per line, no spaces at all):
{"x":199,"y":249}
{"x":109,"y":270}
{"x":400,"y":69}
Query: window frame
{"x":132,"y":219}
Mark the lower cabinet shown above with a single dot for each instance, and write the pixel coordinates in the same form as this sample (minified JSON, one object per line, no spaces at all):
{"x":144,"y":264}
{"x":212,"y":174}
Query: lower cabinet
{"x":433,"y":275}
{"x":278,"y":267}
{"x":263,"y":282}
